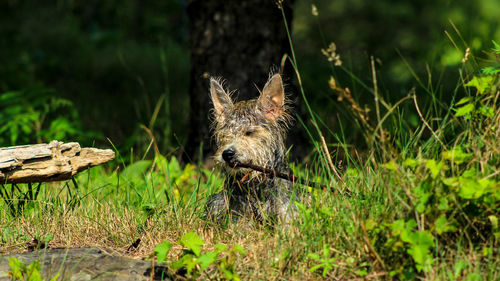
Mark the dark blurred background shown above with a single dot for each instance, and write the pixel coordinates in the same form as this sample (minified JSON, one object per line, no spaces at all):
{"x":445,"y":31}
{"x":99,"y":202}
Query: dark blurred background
{"x":105,"y":70}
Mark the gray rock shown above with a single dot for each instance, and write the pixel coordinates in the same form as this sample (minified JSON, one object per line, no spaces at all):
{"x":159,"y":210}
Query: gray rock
{"x":87,"y":264}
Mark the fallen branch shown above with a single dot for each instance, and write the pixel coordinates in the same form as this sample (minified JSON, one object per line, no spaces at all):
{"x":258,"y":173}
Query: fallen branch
{"x":54,"y":161}
{"x":289,"y":177}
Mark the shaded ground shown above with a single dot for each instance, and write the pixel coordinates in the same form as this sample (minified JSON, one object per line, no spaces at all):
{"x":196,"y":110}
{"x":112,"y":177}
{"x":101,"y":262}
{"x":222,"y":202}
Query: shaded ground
{"x":87,"y":264}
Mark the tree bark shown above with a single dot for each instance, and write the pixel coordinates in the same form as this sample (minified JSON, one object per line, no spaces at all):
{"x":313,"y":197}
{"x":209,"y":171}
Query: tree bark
{"x":238,"y":40}
{"x":48,"y":162}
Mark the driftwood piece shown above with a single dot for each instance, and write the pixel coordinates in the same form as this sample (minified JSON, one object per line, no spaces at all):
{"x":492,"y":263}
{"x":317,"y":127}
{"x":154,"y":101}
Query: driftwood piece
{"x":48,"y":162}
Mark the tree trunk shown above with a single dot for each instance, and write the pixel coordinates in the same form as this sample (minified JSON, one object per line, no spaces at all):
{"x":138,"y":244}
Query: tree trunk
{"x":240,"y":41}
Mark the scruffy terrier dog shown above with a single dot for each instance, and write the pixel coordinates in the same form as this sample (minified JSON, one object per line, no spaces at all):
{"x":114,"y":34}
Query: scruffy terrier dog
{"x":252,"y":132}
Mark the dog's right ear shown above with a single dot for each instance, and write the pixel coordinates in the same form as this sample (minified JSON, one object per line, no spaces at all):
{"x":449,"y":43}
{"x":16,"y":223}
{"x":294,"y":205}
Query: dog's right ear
{"x":272,"y":98}
{"x":220,"y":98}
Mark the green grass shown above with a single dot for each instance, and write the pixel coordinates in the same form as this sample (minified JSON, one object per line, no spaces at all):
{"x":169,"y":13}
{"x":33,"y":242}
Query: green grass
{"x":162,"y":202}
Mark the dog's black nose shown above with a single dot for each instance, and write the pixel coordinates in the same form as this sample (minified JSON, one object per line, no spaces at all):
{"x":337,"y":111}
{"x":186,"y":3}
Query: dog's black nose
{"x":228,"y":155}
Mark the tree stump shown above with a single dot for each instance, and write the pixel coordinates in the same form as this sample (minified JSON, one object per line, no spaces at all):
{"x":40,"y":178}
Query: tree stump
{"x":54,"y":161}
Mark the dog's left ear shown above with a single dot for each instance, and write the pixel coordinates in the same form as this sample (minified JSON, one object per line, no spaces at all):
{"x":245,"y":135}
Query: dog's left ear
{"x":272,"y":98}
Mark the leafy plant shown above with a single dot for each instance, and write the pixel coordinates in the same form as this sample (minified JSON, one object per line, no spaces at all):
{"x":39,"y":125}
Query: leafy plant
{"x":195,"y":261}
{"x":161,"y":251}
{"x":451,"y":197}
{"x":481,"y":104}
{"x":19,"y":271}
{"x":466,"y":203}
{"x":37,"y":115}
{"x":325,"y":261}
{"x":418,"y":243}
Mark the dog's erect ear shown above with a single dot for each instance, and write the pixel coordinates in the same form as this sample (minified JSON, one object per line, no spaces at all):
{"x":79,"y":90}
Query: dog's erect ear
{"x":272,"y":98}
{"x":220,"y":98}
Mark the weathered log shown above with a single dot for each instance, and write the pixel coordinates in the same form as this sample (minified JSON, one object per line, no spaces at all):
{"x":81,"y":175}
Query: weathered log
{"x":89,"y":264}
{"x":48,"y":162}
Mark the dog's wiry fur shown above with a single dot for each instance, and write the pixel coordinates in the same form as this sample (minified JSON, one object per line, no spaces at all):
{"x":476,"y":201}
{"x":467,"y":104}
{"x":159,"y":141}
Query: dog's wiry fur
{"x":253,"y":132}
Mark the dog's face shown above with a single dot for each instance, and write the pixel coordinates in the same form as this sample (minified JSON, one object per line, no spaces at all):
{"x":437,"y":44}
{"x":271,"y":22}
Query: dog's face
{"x":250,"y":131}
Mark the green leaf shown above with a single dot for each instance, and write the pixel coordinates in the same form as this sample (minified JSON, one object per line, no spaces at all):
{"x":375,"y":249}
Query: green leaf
{"x":313,"y":256}
{"x":490,"y":70}
{"x":370,"y":224}
{"x":420,"y":244}
{"x":61,"y":127}
{"x":459,"y":266}
{"x":391,"y":165}
{"x":193,"y":242}
{"x":470,"y":188}
{"x":135,"y":172}
{"x":326,"y":251}
{"x":362,"y":272}
{"x":422,"y":203}
{"x":33,"y":272}
{"x":173,"y":167}
{"x":220,"y":247}
{"x":16,"y":268}
{"x":487,"y":184}
{"x":456,"y":155}
{"x":487,"y":111}
{"x":410,"y":162}
{"x":486,"y":251}
{"x":207,"y":259}
{"x":481,"y":82}
{"x":420,"y":255}
{"x":177,"y":264}
{"x":464,"y":110}
{"x":397,"y":227}
{"x":316,"y":267}
{"x":235,"y":277}
{"x":434,"y":167}
{"x":162,"y":250}
{"x":494,"y":221}
{"x":443,"y":204}
{"x":464,"y":100}
{"x":189,"y":262}
{"x":240,"y":249}
{"x":496,"y":49}
{"x":352,"y":172}
{"x":442,"y":225}
{"x":470,"y":173}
